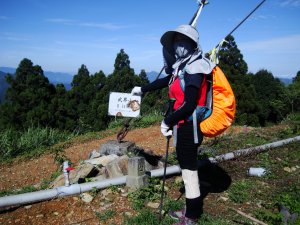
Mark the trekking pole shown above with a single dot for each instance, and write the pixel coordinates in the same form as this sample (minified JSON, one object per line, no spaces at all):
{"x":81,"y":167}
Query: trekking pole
{"x":194,"y":20}
{"x":164,"y":179}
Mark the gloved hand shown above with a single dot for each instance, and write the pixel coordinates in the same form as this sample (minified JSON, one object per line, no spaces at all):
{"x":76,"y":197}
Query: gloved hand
{"x":165,"y":129}
{"x":137,"y":91}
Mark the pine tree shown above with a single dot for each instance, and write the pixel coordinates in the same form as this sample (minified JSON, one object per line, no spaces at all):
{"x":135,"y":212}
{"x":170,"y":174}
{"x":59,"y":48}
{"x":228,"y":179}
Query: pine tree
{"x":123,"y":78}
{"x":293,"y":94}
{"x":143,"y":77}
{"x":28,"y":97}
{"x":270,"y":95}
{"x":235,"y":68}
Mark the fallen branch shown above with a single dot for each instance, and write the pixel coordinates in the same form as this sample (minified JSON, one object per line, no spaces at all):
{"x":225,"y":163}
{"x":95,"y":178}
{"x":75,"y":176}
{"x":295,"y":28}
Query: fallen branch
{"x":249,"y":217}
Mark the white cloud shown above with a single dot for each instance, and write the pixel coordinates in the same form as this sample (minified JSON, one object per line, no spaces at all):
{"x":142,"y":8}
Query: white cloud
{"x":107,"y":26}
{"x":4,"y":18}
{"x":287,"y":44}
{"x":62,"y":21}
{"x":287,"y":3}
{"x":13,"y":37}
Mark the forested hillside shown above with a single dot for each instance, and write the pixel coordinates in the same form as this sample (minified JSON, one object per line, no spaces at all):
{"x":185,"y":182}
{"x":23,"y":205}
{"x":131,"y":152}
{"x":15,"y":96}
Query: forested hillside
{"x":33,"y":101}
{"x":3,"y":86}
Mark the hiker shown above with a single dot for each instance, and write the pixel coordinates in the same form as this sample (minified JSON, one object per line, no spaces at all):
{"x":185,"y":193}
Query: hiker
{"x":183,"y":58}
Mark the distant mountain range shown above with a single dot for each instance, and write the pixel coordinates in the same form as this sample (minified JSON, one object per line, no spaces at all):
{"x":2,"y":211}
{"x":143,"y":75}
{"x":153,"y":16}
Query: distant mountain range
{"x":54,"y":78}
{"x":66,"y":79}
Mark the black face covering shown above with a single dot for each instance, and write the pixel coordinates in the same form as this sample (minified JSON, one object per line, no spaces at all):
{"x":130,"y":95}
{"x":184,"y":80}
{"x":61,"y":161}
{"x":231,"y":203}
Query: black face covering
{"x":182,"y":48}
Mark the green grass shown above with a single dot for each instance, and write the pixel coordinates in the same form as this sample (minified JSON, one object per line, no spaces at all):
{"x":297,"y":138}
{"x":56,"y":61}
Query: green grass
{"x":239,"y":191}
{"x":149,"y":193}
{"x":147,"y":216}
{"x":23,"y":190}
{"x":32,"y":141}
{"x":139,"y":122}
{"x":105,"y":215}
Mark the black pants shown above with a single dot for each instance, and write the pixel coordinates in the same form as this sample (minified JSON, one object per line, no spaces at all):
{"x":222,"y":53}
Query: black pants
{"x":186,"y":149}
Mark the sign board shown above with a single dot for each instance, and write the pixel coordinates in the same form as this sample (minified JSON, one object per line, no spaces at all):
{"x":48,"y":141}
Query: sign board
{"x":124,"y":104}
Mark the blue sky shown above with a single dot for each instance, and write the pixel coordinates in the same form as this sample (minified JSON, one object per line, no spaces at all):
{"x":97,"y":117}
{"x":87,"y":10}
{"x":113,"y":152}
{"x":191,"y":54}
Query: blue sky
{"x":60,"y":35}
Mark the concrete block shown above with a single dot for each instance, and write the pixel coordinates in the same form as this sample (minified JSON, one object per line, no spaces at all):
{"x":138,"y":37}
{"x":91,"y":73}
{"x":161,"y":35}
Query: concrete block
{"x":136,"y":166}
{"x":135,"y":183}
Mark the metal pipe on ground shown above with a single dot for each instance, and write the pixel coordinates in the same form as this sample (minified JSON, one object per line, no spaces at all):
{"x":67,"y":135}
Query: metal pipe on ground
{"x":21,"y":199}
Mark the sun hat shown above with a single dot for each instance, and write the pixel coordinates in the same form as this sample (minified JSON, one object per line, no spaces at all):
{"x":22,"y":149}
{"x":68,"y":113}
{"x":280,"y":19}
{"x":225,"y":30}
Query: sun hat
{"x":187,"y":30}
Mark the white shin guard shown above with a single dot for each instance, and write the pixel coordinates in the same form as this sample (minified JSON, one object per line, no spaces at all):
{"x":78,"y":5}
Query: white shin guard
{"x":191,"y":183}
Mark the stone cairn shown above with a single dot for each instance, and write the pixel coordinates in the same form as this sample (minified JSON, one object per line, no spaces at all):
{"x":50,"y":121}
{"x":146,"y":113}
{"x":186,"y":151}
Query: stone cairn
{"x":113,"y":159}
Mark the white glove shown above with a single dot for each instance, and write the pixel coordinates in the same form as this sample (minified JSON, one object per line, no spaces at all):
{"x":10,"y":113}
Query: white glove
{"x":165,"y":129}
{"x":137,"y":91}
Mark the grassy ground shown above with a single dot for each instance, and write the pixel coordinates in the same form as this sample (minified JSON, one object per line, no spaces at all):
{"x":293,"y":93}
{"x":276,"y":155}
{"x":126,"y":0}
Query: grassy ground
{"x":258,"y":197}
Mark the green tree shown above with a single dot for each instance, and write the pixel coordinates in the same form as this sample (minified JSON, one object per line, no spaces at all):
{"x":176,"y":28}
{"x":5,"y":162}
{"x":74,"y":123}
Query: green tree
{"x":28,"y":98}
{"x":235,"y":68}
{"x":143,"y":77}
{"x":98,"y":107}
{"x":123,"y":78}
{"x":65,"y":117}
{"x":80,"y":96}
{"x":270,"y":95}
{"x":293,"y":94}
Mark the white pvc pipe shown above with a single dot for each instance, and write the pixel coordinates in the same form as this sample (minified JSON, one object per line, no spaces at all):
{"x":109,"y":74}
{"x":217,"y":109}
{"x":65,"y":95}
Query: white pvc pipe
{"x":248,"y":151}
{"x":84,"y":187}
{"x":58,"y":192}
{"x":169,"y":170}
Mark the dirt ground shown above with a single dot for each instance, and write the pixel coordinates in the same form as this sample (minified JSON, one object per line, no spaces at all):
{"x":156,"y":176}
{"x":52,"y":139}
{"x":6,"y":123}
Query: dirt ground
{"x":72,"y":210}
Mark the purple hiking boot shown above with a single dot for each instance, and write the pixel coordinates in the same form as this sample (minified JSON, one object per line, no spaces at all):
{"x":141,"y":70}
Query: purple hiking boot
{"x":176,"y":215}
{"x":186,"y":221}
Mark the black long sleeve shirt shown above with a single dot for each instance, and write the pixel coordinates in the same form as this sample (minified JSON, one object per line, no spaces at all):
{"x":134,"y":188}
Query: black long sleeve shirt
{"x":191,"y":94}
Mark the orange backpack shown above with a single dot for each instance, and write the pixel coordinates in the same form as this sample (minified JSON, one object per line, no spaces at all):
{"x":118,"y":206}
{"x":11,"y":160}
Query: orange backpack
{"x":221,"y":102}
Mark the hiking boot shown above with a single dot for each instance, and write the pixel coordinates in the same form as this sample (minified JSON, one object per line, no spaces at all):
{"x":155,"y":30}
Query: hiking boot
{"x":176,"y":215}
{"x":186,"y":221}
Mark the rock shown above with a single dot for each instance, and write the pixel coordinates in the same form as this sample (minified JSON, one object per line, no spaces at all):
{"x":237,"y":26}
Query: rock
{"x":76,"y":176}
{"x":224,"y":199}
{"x":98,"y":178}
{"x":118,"y":167}
{"x":113,"y":170}
{"x":84,"y":171}
{"x":123,"y":164}
{"x":86,"y":197}
{"x":153,"y":205}
{"x":124,"y":194}
{"x":149,"y":167}
{"x":114,"y":147}
{"x":28,"y":206}
{"x":287,"y":169}
{"x":129,"y":214}
{"x":94,"y":154}
{"x":104,"y":160}
{"x":55,"y":213}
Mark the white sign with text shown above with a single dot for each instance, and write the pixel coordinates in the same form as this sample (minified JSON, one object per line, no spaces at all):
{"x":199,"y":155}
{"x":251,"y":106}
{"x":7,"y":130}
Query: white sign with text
{"x":124,"y":104}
